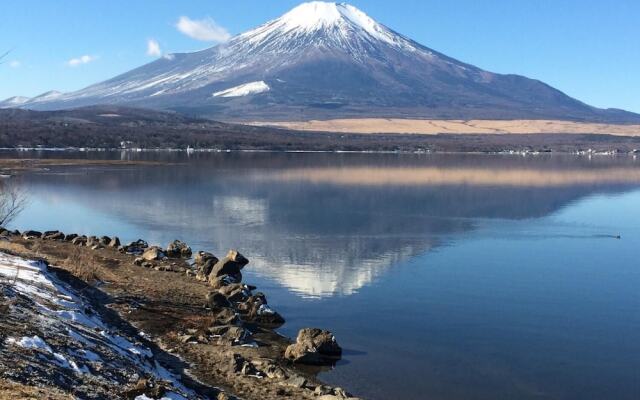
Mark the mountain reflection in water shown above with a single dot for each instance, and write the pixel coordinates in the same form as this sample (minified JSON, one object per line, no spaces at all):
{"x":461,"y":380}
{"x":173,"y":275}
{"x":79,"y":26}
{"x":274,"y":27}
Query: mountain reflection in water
{"x":319,"y":224}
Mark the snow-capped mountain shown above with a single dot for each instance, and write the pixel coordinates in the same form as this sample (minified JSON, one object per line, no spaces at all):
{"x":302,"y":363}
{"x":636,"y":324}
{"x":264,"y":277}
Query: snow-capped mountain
{"x":327,"y":60}
{"x":15,"y":101}
{"x":31,"y":102}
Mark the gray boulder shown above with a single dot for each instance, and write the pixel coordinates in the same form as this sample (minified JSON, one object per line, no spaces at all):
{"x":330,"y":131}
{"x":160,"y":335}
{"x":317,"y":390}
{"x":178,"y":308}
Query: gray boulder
{"x":114,"y":242}
{"x":218,"y":282}
{"x":153,"y":253}
{"x":79,"y":241}
{"x":202,"y":257}
{"x":53,"y":235}
{"x":255,"y":309}
{"x":217,"y":300}
{"x":231,"y":264}
{"x":177,"y":249}
{"x":31,"y":234}
{"x":137,"y":247}
{"x":203,"y":270}
{"x":235,"y":335}
{"x":315,"y":347}
{"x":92,"y":241}
{"x":235,"y":292}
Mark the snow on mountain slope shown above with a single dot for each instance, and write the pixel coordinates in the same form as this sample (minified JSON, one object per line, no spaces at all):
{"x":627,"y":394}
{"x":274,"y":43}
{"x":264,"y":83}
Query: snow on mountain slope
{"x":326,"y":60}
{"x":244,"y":90}
{"x":45,"y":97}
{"x":14,"y":101}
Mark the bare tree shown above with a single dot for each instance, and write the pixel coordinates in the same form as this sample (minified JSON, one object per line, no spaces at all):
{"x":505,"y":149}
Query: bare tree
{"x":13,"y":200}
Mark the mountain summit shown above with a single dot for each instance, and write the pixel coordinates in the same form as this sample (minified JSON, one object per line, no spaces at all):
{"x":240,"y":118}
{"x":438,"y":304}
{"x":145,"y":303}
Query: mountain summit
{"x":327,"y":60}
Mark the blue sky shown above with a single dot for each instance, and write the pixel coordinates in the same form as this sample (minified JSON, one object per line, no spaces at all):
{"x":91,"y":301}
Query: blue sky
{"x":589,"y":49}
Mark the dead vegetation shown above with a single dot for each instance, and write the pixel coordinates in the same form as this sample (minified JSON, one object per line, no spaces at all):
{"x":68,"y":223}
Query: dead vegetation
{"x":12,"y":391}
{"x":13,"y":199}
{"x":83,"y":265}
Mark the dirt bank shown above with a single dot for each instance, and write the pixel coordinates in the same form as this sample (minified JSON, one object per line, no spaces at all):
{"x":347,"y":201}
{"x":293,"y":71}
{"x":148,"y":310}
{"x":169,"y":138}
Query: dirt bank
{"x":163,"y":299}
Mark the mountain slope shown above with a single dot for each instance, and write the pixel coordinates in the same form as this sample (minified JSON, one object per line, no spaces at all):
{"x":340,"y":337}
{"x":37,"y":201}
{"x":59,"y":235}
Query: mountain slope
{"x":327,"y":60}
{"x":14,"y":101}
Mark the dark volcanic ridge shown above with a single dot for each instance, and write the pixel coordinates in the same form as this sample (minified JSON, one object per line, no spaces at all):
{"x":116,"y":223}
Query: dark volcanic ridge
{"x":326,"y":60}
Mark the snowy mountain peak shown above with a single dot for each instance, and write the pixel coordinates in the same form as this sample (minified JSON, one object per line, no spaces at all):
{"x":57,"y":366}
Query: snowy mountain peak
{"x":50,"y":95}
{"x":341,"y":22}
{"x":13,"y":101}
{"x":319,"y":14}
{"x":320,"y":61}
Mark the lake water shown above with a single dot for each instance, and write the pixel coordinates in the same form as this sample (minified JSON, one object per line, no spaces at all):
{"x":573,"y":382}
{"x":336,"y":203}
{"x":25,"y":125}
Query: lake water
{"x":442,"y":276}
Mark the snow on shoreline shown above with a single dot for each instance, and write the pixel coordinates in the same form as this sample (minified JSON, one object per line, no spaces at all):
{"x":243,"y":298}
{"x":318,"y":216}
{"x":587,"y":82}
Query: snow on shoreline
{"x":66,"y":336}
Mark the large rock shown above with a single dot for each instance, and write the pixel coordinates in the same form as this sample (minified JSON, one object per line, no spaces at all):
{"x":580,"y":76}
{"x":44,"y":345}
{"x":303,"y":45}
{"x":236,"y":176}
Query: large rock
{"x":153,"y":253}
{"x":70,"y":237}
{"x":225,"y":316}
{"x":217,"y":300}
{"x":79,"y":241}
{"x":203,"y":257}
{"x":235,"y":292}
{"x":235,"y":335}
{"x":255,"y":309}
{"x":104,"y":240}
{"x":137,"y":247}
{"x":218,"y":282}
{"x":114,"y":242}
{"x":231,"y":264}
{"x":31,"y":234}
{"x":203,"y":270}
{"x":177,"y":249}
{"x":314,"y":346}
{"x":92,"y":241}
{"x":53,"y":235}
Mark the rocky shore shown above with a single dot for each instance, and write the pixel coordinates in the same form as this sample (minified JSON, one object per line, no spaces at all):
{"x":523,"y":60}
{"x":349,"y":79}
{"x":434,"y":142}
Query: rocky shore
{"x":197,"y":329}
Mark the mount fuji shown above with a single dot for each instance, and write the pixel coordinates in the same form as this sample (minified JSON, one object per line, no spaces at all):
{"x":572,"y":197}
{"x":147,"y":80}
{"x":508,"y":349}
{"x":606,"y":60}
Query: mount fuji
{"x":326,"y":60}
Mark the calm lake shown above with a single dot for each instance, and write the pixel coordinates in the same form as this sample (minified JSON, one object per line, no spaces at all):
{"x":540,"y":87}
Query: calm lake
{"x":442,"y":276}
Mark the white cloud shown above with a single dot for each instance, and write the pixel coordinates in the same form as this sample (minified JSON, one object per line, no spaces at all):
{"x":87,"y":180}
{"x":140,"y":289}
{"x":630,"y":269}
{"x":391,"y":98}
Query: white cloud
{"x":206,"y":29}
{"x":153,"y":48}
{"x":86,"y":59}
{"x":15,"y":64}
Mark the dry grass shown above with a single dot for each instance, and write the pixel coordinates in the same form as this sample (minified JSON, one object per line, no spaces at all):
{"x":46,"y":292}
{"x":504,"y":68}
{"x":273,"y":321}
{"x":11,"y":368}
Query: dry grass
{"x":13,"y":391}
{"x":432,"y":127}
{"x":83,"y":265}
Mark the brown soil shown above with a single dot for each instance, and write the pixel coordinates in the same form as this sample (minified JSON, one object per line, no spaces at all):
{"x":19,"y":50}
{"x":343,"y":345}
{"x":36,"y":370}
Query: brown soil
{"x":167,"y":303}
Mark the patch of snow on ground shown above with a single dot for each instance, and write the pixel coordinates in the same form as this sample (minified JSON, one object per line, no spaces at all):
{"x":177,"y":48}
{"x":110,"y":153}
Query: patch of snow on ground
{"x":70,"y":334}
{"x":244,"y":90}
{"x":31,"y":343}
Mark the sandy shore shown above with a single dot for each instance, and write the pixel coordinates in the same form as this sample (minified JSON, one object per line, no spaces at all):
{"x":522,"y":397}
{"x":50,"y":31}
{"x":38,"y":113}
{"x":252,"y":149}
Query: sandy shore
{"x":432,"y":127}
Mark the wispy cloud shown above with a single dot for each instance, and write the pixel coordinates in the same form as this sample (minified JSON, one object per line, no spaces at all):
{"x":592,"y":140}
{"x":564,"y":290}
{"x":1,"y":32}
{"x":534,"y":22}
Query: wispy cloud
{"x":86,"y":59}
{"x":205,"y":29}
{"x":15,"y":64}
{"x":153,"y":48}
